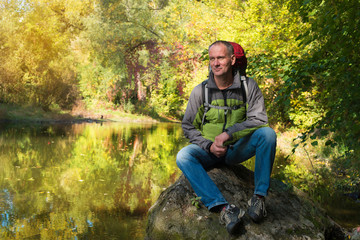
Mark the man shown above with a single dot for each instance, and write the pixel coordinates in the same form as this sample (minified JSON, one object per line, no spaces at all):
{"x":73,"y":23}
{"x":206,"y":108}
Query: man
{"x":230,"y":133}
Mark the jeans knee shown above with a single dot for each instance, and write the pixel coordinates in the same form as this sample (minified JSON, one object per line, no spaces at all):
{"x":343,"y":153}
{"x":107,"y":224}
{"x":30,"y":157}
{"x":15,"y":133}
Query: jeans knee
{"x":179,"y":159}
{"x":268,"y":135}
{"x":182,"y":158}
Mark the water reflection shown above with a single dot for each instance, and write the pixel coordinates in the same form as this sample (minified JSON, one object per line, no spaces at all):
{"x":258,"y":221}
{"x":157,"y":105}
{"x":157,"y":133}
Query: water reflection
{"x":96,"y":181}
{"x":92,"y":181}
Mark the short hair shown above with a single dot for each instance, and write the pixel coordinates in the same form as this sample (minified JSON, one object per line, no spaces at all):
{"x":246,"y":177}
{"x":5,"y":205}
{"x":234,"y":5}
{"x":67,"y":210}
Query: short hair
{"x":228,"y":46}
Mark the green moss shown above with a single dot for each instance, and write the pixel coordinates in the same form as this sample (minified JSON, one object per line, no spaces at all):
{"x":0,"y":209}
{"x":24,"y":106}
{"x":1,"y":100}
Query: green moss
{"x":159,"y":235}
{"x":300,"y":232}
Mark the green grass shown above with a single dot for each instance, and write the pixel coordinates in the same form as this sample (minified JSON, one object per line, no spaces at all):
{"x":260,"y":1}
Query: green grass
{"x":31,"y":113}
{"x":28,"y":113}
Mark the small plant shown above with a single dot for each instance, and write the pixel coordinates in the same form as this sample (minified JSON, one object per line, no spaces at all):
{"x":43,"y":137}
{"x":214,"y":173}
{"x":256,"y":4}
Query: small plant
{"x":129,"y":107}
{"x":196,"y":201}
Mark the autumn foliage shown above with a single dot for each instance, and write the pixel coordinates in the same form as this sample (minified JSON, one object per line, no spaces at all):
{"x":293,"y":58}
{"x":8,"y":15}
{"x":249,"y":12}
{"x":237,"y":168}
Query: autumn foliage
{"x":146,"y":56}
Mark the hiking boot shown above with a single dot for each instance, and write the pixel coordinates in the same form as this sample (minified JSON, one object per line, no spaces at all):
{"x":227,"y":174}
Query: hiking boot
{"x":257,"y":211}
{"x":231,"y":217}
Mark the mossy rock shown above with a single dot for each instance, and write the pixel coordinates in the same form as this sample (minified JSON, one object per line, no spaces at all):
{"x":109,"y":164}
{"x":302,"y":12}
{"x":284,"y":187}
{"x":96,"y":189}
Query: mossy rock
{"x":290,"y":214}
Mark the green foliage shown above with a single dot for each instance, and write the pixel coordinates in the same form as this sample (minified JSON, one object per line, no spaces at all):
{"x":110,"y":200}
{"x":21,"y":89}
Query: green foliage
{"x":37,"y":67}
{"x":128,"y":107}
{"x":195,"y":201}
{"x":319,"y":169}
{"x":165,"y":97}
{"x":327,"y":74}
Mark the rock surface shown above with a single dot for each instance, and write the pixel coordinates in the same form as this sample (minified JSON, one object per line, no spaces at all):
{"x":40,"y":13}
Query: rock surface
{"x":290,"y":215}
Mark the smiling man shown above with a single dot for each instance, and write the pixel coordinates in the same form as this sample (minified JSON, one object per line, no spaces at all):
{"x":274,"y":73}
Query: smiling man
{"x":232,"y":130}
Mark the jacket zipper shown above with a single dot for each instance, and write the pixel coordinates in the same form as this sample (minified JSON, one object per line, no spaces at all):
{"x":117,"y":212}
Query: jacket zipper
{"x":225,"y":111}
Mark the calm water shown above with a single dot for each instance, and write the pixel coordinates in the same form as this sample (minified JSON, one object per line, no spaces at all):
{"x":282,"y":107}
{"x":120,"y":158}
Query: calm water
{"x":95,"y":181}
{"x":84,"y":181}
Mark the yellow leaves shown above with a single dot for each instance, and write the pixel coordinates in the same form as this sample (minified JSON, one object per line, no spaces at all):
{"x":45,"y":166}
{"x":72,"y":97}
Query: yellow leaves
{"x":269,"y":26}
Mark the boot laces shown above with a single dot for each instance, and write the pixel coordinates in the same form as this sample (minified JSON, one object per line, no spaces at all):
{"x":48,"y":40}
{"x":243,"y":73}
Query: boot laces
{"x":259,"y":205}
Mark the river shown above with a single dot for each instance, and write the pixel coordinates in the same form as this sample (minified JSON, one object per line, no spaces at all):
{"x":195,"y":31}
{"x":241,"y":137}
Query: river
{"x":85,"y":181}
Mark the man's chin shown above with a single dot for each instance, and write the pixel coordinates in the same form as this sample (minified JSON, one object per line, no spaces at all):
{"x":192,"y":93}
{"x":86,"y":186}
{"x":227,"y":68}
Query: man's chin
{"x":218,"y":73}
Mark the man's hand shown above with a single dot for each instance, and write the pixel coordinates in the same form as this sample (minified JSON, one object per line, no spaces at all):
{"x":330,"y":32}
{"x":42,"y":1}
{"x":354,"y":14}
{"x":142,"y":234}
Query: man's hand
{"x":221,"y":138}
{"x":218,"y":148}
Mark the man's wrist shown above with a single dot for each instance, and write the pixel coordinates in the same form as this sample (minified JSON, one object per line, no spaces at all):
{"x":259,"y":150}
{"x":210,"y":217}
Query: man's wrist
{"x":209,"y":146}
{"x":228,"y":133}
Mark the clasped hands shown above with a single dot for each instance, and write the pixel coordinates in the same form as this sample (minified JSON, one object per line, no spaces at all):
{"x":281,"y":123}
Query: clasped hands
{"x":217,"y":147}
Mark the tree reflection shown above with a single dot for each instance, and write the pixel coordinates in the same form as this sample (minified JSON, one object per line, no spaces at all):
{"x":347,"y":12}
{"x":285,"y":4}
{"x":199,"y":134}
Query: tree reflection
{"x":84,"y":180}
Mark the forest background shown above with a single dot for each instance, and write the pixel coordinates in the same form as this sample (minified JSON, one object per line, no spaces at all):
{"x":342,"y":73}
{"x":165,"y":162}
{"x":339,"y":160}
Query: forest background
{"x":145,"y":56}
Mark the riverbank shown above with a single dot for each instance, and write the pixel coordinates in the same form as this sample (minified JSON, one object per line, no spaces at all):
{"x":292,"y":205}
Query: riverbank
{"x":14,"y":113}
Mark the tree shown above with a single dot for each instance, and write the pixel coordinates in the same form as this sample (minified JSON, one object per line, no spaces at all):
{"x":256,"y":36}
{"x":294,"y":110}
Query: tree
{"x":39,"y":67}
{"x":329,"y":72}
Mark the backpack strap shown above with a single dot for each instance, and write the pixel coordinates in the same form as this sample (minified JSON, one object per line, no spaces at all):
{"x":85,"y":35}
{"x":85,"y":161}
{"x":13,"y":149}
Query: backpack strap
{"x":206,"y":101}
{"x":246,"y":90}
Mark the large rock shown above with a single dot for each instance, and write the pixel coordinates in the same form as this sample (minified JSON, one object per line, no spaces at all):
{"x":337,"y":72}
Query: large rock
{"x":290,"y":215}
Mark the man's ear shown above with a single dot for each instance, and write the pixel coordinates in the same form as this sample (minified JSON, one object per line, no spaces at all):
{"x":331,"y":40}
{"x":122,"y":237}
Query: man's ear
{"x":233,"y":60}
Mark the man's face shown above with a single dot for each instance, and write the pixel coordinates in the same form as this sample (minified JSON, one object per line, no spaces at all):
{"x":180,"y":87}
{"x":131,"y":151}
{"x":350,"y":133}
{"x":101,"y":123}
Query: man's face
{"x":220,"y":60}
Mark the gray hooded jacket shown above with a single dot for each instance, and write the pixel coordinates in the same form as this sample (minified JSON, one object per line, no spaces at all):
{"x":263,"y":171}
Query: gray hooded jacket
{"x":237,"y":123}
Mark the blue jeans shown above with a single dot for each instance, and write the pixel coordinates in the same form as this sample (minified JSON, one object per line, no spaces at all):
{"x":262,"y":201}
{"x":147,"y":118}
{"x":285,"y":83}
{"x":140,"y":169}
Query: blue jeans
{"x":193,"y":162}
